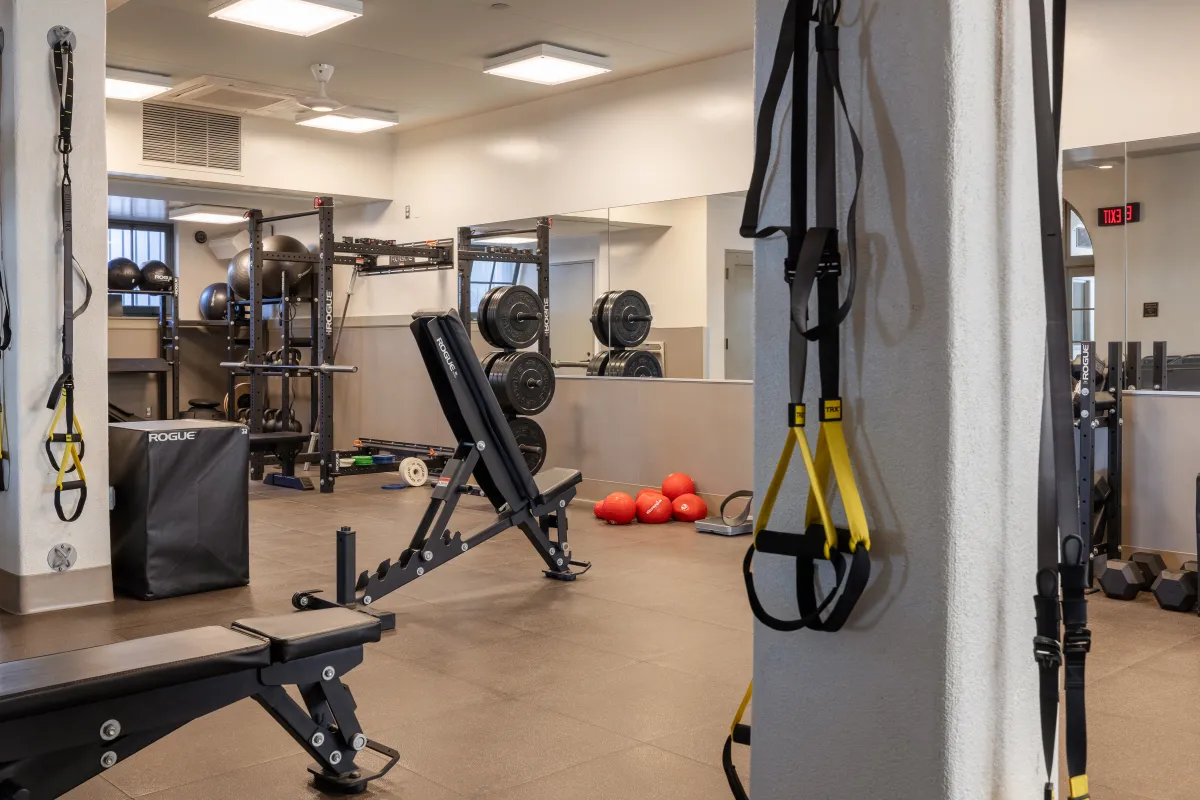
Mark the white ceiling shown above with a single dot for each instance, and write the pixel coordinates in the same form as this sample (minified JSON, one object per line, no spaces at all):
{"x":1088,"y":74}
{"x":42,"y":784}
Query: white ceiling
{"x":423,"y":58}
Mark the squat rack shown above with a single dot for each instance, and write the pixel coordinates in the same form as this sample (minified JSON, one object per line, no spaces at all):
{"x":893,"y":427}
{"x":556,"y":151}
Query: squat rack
{"x":368,"y":257}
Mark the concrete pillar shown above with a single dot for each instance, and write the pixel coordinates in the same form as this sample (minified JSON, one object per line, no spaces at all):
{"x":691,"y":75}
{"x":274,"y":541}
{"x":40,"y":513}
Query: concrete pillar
{"x":32,"y":252}
{"x":931,"y":690}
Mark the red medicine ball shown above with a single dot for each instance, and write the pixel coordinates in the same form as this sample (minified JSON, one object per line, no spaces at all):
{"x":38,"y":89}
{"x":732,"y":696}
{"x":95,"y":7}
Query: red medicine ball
{"x":653,"y":508}
{"x":646,"y":491}
{"x":619,"y":509}
{"x":689,"y":508}
{"x":598,"y":509}
{"x":677,"y":483}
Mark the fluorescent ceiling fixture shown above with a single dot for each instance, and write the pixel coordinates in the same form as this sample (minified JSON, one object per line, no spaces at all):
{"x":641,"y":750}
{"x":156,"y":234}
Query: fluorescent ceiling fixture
{"x":548,"y":65}
{"x":502,"y":239}
{"x":211,"y":215}
{"x":298,"y":17}
{"x":124,"y":84}
{"x":348,"y":120}
{"x":1104,"y":166}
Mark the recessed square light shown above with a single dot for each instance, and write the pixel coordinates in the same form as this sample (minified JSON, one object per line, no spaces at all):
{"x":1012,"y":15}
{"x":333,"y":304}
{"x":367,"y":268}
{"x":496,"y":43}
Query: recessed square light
{"x":506,"y":240}
{"x":348,"y":119}
{"x":297,"y":17}
{"x":209,"y":215}
{"x":125,"y":84}
{"x":548,"y":65}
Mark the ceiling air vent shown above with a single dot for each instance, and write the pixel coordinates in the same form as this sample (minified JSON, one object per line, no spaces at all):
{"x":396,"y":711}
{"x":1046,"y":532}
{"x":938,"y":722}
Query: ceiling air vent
{"x":191,"y":138}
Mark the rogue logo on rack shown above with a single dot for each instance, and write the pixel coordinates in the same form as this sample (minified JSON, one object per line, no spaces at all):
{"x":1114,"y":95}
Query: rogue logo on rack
{"x":179,"y":436}
{"x":329,"y":313}
{"x":446,"y":356}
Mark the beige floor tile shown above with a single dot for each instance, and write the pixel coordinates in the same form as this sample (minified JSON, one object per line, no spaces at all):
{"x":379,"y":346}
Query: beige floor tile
{"x":643,"y":772}
{"x":392,"y":692}
{"x":498,"y":745}
{"x":95,"y":789}
{"x":643,"y":634}
{"x":426,"y":629}
{"x":732,"y":663}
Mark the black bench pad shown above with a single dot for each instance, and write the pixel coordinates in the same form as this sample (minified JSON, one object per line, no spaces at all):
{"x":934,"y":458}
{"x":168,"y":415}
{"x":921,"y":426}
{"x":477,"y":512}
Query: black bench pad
{"x":552,"y":481}
{"x":310,"y":633}
{"x":75,"y":677}
{"x":271,"y":441}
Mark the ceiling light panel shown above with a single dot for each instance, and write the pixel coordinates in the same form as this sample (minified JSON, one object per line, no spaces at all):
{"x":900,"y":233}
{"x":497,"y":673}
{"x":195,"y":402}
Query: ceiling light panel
{"x":507,"y":240}
{"x":209,"y":215}
{"x":548,"y":65}
{"x":348,"y":120}
{"x":297,"y":17}
{"x":124,"y":84}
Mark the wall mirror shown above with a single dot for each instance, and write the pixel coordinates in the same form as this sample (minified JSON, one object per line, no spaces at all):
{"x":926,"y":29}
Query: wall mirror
{"x":670,"y":285}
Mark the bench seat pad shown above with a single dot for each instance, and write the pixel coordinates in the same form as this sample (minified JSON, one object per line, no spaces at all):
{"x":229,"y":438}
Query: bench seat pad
{"x":552,"y":481}
{"x":310,"y":633}
{"x":75,"y":677}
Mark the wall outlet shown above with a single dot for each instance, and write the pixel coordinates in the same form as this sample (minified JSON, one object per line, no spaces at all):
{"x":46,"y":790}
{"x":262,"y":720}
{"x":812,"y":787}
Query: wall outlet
{"x":408,"y":212}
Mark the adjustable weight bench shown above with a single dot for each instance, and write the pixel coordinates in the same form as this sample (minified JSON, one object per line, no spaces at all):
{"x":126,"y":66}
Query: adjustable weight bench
{"x":65,"y":718}
{"x":487,"y":450}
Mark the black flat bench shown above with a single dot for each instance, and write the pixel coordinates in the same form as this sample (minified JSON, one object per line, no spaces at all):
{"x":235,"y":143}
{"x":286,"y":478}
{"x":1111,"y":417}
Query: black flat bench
{"x":69,"y":716}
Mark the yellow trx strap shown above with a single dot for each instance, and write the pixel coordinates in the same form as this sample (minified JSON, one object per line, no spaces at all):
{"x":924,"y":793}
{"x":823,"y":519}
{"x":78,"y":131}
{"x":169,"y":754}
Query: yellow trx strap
{"x":72,"y":457}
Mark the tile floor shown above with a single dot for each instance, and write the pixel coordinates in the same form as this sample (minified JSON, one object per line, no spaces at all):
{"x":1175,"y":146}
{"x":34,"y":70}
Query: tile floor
{"x":500,"y":684}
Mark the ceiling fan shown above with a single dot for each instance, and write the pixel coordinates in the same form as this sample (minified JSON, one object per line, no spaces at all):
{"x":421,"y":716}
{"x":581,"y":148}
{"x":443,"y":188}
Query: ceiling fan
{"x":321,"y":101}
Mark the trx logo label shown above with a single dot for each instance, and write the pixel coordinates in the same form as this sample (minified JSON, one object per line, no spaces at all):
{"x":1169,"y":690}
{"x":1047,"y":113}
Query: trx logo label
{"x":446,"y":357}
{"x":181,"y":436}
{"x":831,"y":410}
{"x":329,"y":313}
{"x":796,"y":415}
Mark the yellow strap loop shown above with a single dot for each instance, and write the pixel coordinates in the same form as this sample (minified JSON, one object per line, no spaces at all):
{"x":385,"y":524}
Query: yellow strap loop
{"x":73,"y":454}
{"x":817,"y":501}
{"x":741,"y":712}
{"x":1079,"y":788}
{"x":833,"y":438}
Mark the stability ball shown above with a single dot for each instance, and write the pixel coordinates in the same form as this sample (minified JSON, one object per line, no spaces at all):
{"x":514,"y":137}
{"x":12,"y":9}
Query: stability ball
{"x":123,"y":275}
{"x":239,"y":274}
{"x":213,"y":301}
{"x":272,"y":271}
{"x":156,"y":276}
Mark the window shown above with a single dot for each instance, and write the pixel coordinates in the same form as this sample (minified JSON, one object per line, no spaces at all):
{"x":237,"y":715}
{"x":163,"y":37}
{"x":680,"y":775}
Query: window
{"x":141,"y":242}
{"x":1080,"y":239}
{"x":486,"y":275}
{"x":1083,"y":311}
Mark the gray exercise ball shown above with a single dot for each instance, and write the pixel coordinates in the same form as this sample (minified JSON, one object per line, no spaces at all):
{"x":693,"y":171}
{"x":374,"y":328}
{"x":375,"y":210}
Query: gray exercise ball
{"x":273,"y":271}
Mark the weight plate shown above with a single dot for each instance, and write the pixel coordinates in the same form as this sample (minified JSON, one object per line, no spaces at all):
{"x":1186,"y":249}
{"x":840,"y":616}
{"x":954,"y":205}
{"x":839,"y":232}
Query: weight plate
{"x":523,"y":382}
{"x":627,"y":318}
{"x":484,"y":322}
{"x":414,"y":471}
{"x":531,"y":440}
{"x":634,"y":364}
{"x":489,"y":359}
{"x":598,"y":316}
{"x":598,"y":363}
{"x":515,"y":316}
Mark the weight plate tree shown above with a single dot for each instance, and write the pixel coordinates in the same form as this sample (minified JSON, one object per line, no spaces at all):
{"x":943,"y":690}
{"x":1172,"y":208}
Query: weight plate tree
{"x":532,"y":441}
{"x":523,"y":382}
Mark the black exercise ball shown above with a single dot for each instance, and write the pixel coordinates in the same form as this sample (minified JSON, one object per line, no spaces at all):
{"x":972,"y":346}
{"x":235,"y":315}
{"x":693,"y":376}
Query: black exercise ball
{"x":123,"y":275}
{"x":213,"y":301}
{"x":239,"y":274}
{"x":156,"y":276}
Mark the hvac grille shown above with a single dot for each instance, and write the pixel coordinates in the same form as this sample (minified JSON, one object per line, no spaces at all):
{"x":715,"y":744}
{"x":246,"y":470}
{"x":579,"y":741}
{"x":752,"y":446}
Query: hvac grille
{"x":193,"y":138}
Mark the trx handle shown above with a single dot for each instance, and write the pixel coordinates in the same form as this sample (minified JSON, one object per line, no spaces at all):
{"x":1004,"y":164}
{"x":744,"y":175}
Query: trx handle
{"x":72,"y":457}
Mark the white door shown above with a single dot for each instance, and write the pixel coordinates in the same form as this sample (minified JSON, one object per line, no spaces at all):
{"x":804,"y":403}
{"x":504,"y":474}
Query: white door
{"x":571,"y":290}
{"x":739,"y":315}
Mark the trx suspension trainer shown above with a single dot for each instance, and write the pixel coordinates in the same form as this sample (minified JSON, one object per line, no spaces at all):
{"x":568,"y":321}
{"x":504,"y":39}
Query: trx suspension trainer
{"x":813,"y":258}
{"x":62,"y":396}
{"x":1062,"y":550}
{"x":5,"y":341}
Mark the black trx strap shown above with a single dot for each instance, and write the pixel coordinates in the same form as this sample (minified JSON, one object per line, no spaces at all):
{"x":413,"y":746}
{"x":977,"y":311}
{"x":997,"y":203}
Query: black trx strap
{"x":813,"y":259}
{"x":5,"y":341}
{"x":62,"y":396}
{"x":1062,"y":551}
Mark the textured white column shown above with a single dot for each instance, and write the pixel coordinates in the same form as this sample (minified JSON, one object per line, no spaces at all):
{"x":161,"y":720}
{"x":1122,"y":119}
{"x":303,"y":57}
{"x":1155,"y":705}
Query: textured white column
{"x":931,"y":690}
{"x":32,"y":250}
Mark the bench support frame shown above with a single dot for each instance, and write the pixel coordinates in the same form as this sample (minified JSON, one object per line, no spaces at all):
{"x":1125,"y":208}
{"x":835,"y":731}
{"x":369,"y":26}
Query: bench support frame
{"x":53,"y":752}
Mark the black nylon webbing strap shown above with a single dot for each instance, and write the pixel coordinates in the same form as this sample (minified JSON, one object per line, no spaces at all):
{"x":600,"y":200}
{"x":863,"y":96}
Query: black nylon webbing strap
{"x":62,"y":396}
{"x":1062,"y":552}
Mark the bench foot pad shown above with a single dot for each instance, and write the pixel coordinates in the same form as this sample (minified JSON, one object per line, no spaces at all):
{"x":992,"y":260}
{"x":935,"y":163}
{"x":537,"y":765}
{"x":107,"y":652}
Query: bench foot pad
{"x":354,"y":782}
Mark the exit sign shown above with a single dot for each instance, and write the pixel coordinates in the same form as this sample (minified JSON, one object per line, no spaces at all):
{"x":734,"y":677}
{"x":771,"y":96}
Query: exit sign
{"x":1120,"y":215}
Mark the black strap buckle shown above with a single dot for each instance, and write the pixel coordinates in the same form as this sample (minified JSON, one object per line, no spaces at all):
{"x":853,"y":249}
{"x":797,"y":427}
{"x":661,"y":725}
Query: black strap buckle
{"x":1078,"y":640}
{"x":1047,"y":652}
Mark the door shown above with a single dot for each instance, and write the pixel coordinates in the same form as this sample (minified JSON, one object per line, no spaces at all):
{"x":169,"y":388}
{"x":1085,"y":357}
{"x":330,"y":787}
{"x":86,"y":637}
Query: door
{"x":571,"y":288}
{"x":739,"y":315}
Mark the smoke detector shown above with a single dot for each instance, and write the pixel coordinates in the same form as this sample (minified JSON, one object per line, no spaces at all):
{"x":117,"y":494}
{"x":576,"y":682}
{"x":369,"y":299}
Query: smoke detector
{"x":321,"y":101}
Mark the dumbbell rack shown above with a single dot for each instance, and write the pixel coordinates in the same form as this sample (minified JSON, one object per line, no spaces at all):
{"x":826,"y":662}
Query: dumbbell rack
{"x":166,"y":365}
{"x":365,"y":256}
